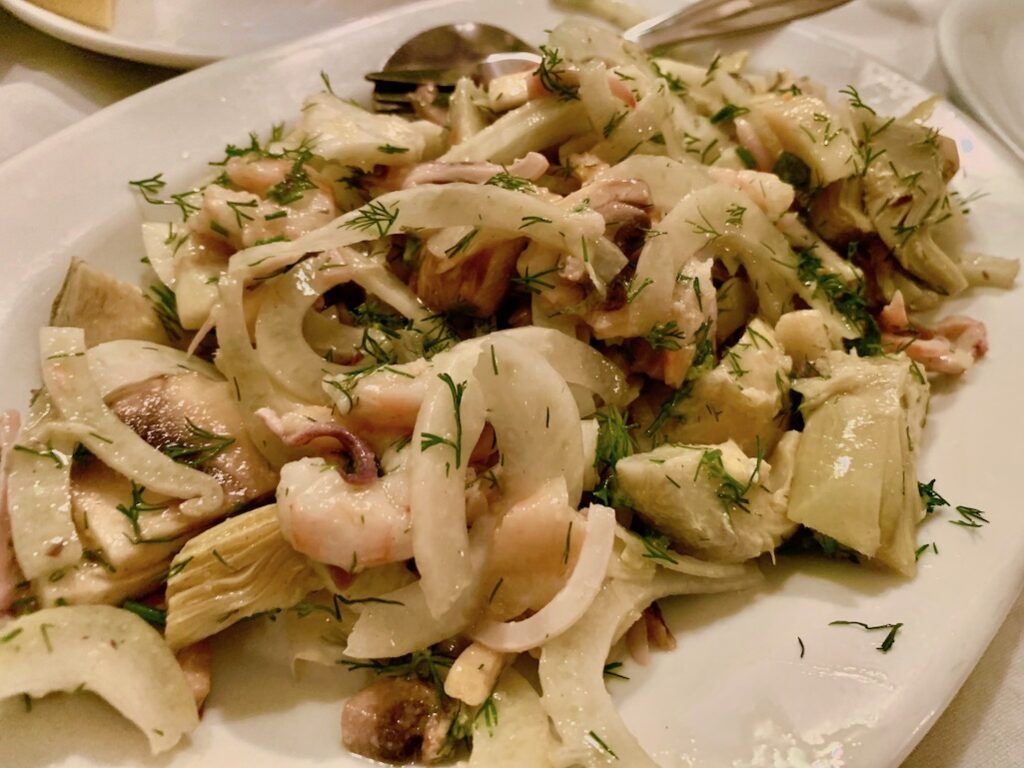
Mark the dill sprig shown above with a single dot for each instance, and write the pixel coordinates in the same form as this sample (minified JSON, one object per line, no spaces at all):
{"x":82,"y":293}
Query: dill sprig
{"x":657,"y":547}
{"x":200,"y":448}
{"x":49,"y":452}
{"x":614,"y":441}
{"x":506,"y":180}
{"x":426,"y":665}
{"x":137,"y":506}
{"x":666,"y":336}
{"x":550,"y":73}
{"x":855,"y":100}
{"x":150,"y":188}
{"x":633,"y":290}
{"x":462,"y":244}
{"x":429,"y":440}
{"x":728,"y":112}
{"x":930,"y":497}
{"x":612,"y":670}
{"x":890,"y":637}
{"x":165,"y":304}
{"x":295,"y":184}
{"x":731,"y":493}
{"x":148,"y":613}
{"x":848,"y":302}
{"x":734,"y":215}
{"x":970,"y":517}
{"x":703,"y":359}
{"x":598,"y":743}
{"x":373,"y":215}
{"x":535,"y":283}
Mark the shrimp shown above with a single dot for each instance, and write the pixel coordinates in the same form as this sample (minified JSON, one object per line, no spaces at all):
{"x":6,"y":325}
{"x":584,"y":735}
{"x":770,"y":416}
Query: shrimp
{"x":351,"y":526}
{"x":535,"y":549}
{"x":257,"y":176}
{"x":531,"y":166}
{"x":242,"y":219}
{"x":951,"y":346}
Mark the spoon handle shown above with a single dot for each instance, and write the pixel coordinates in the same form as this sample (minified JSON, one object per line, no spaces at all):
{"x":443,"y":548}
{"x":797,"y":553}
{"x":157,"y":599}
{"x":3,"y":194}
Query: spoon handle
{"x":717,"y":18}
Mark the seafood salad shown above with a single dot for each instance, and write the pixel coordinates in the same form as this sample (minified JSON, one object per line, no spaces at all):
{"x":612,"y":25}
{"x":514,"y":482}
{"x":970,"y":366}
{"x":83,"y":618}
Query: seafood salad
{"x":456,"y":397}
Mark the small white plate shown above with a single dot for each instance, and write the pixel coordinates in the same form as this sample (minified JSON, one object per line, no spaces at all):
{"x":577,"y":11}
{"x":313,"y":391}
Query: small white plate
{"x":982,"y":46}
{"x":189,"y":33}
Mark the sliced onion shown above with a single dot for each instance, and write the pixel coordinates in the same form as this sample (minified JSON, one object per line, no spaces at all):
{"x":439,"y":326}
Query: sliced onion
{"x":566,"y":608}
{"x":107,"y":651}
{"x":116,"y":364}
{"x":535,"y":419}
{"x":521,"y":735}
{"x":578,"y":363}
{"x":88,"y":420}
{"x":536,"y":125}
{"x":572,"y":665}
{"x":38,"y":472}
{"x":432,"y":207}
{"x":240,"y":365}
{"x":280,"y":344}
{"x":402,"y":621}
{"x":438,"y":478}
{"x":159,"y":242}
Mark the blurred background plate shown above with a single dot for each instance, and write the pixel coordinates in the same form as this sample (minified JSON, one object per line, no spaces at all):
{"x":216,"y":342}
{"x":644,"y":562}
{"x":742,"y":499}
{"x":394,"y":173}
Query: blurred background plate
{"x":189,"y":33}
{"x":982,"y":46}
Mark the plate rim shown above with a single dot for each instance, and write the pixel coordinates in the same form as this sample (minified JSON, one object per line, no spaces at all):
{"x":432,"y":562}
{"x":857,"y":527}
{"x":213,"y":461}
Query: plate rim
{"x":100,"y":41}
{"x":951,"y":54}
{"x":156,"y":93}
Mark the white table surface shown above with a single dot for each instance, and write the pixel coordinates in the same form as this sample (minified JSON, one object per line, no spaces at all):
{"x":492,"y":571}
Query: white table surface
{"x":46,"y":85}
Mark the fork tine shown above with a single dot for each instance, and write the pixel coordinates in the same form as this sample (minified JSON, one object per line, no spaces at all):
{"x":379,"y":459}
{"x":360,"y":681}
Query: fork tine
{"x":714,"y":18}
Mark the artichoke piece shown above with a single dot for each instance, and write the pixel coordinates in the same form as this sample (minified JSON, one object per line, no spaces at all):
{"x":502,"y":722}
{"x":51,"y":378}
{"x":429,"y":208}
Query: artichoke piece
{"x":744,"y":398}
{"x":348,"y":134}
{"x":806,"y":338}
{"x":856,"y":478}
{"x":713,"y":500}
{"x":104,"y":307}
{"x":906,"y":167}
{"x":838,"y":214}
{"x":232,"y":571}
{"x":806,"y":128}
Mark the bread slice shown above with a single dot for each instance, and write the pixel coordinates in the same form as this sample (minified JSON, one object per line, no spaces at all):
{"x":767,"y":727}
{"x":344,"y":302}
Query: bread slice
{"x":95,"y":13}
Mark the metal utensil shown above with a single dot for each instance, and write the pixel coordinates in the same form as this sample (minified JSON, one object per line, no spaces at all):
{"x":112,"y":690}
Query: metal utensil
{"x":444,"y":54}
{"x":719,"y":18}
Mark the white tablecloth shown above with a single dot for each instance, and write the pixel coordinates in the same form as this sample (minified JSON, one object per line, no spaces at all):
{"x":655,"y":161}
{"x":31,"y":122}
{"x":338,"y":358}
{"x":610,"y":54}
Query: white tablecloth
{"x":46,"y":85}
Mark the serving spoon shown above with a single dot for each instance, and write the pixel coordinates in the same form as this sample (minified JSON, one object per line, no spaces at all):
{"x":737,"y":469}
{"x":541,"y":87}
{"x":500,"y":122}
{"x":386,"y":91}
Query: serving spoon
{"x":472,"y":49}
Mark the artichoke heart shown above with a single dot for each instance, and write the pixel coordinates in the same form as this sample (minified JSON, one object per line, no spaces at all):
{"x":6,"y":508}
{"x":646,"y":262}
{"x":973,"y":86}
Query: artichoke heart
{"x":239,"y":568}
{"x":855,"y":478}
{"x":714,"y":501}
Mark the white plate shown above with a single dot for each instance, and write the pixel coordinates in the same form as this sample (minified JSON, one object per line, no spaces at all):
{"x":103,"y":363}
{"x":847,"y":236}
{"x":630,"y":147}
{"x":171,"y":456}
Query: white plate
{"x":982,"y":46}
{"x":189,"y":33}
{"x":736,"y":692}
